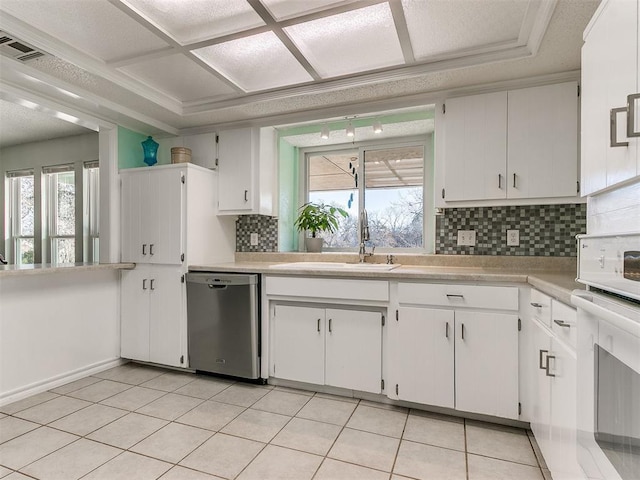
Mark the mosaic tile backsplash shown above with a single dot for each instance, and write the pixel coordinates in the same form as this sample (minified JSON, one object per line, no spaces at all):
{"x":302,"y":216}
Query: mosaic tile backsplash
{"x":545,"y":230}
{"x":265,"y":226}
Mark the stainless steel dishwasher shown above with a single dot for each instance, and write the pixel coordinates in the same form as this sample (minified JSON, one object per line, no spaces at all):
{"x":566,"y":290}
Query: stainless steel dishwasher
{"x":223,"y":323}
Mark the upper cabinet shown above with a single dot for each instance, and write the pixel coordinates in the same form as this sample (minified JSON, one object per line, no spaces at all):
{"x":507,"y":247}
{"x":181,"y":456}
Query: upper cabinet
{"x":610,"y":78}
{"x":520,"y":144}
{"x":247,"y":175}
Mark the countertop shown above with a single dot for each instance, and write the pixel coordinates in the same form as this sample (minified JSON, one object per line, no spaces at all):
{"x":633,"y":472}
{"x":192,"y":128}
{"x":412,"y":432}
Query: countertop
{"x":47,"y":268}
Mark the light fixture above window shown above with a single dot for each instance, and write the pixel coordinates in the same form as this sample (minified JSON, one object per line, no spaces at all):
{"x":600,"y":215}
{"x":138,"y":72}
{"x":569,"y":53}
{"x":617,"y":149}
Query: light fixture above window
{"x":377,"y":127}
{"x":324,"y":133}
{"x":351,"y":131}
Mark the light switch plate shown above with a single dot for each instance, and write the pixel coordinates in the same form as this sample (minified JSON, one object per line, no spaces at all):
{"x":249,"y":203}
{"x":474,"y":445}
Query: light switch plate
{"x":467,"y":238}
{"x":254,"y":239}
{"x":513,"y":238}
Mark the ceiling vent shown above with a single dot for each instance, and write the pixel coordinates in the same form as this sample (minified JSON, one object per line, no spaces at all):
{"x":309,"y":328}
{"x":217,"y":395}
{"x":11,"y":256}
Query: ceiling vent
{"x":11,"y":47}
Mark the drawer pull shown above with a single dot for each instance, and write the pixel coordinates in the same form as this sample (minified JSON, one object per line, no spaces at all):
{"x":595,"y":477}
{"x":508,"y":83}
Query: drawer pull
{"x":454,"y":295}
{"x":540,"y":365}
{"x":536,"y":304}
{"x":547,"y":367}
{"x":562,"y":323}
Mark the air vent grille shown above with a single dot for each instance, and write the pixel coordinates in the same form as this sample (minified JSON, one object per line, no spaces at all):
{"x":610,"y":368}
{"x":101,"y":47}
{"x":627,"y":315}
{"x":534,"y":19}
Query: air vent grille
{"x":5,"y":39}
{"x":14,"y":48}
{"x":21,"y":47}
{"x":31,"y":56}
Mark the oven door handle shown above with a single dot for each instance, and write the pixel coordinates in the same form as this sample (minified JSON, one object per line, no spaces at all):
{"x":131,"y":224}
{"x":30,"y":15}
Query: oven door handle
{"x":584,"y":301}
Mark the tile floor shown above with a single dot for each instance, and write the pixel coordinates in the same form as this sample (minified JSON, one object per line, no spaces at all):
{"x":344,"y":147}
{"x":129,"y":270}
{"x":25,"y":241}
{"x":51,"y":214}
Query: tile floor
{"x":136,"y":422}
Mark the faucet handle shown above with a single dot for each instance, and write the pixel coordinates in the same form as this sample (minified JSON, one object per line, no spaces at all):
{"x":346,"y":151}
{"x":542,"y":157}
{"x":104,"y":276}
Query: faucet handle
{"x":389,"y":259}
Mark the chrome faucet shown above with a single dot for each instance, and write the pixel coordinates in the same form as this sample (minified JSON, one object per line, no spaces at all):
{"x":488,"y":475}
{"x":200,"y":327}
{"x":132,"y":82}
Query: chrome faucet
{"x":364,"y":236}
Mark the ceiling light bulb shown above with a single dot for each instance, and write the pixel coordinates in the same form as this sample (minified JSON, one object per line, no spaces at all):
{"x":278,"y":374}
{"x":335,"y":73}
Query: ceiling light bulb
{"x":377,"y":127}
{"x":324,"y":133}
{"x":350,"y":130}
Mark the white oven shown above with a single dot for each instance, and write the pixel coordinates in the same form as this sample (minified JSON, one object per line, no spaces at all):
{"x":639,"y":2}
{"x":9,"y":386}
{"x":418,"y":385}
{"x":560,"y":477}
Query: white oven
{"x":608,"y":410}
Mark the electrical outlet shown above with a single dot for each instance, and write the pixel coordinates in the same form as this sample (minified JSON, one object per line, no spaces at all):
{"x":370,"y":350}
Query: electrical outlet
{"x":513,"y":238}
{"x":254,"y":239}
{"x":467,"y":238}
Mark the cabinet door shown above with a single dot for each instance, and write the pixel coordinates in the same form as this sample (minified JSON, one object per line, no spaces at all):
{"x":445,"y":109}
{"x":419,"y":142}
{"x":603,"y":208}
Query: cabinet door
{"x":135,"y":224}
{"x":353,"y":355}
{"x":163,"y":210}
{"x":609,"y":74}
{"x":476,"y":147}
{"x":425,"y":369}
{"x":541,"y":398}
{"x":298,"y":344}
{"x":134,"y":316}
{"x":542,"y":156}
{"x":166,"y":293}
{"x":235,"y":173}
{"x":486,"y":356}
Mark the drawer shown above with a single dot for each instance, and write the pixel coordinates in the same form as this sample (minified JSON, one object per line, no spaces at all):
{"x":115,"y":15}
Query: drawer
{"x":472,"y":296}
{"x":328,"y":288}
{"x":541,"y":307}
{"x":564,"y":322}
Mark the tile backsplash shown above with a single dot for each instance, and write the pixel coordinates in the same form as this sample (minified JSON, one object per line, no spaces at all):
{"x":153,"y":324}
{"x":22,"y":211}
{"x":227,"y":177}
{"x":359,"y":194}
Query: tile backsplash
{"x":545,"y":230}
{"x":265,"y":226}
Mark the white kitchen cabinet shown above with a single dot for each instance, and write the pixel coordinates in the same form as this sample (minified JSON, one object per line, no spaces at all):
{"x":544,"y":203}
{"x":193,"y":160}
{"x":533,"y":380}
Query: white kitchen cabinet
{"x":247,"y":171}
{"x":541,"y":393}
{"x":328,"y":346}
{"x":610,"y":73}
{"x":152,"y":315}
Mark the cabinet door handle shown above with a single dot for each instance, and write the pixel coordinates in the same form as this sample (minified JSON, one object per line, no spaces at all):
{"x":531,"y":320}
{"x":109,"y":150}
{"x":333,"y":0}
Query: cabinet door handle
{"x":546,"y":369}
{"x":613,"y":130}
{"x":144,"y":283}
{"x":446,"y":330}
{"x":562,"y":323}
{"x":536,"y":304}
{"x":246,"y":195}
{"x":318,"y":325}
{"x":144,"y":249}
{"x":462,"y":331}
{"x":540,"y":365}
{"x":514,"y":181}
{"x":329,"y":325}
{"x":631,"y":115}
{"x":454,"y":295}
{"x":500,"y":181}
{"x":151,"y":283}
{"x":151,"y":249}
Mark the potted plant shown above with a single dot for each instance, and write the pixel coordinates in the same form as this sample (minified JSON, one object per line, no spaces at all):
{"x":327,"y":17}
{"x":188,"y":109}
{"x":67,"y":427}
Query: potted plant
{"x":315,"y":218}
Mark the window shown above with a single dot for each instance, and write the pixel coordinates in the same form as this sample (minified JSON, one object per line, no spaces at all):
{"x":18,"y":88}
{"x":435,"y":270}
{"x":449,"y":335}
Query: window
{"x":91,"y":220}
{"x":21,"y":210}
{"x":386,"y":180}
{"x":60,"y":202}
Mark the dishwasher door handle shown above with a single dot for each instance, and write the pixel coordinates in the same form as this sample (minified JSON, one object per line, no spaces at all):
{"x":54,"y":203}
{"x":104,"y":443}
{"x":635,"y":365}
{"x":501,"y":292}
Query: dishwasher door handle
{"x":217,"y":287}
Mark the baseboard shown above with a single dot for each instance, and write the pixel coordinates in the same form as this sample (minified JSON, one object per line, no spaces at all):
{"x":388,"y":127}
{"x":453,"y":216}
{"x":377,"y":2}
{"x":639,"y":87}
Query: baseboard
{"x":53,"y":382}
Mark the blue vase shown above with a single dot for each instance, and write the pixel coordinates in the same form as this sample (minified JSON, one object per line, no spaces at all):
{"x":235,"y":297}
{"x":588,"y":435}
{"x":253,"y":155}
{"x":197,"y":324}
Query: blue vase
{"x":150,"y":148}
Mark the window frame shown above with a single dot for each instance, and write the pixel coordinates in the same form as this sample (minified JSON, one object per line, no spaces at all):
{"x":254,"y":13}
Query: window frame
{"x":91,"y":211}
{"x":13,"y":210}
{"x":49,"y":181}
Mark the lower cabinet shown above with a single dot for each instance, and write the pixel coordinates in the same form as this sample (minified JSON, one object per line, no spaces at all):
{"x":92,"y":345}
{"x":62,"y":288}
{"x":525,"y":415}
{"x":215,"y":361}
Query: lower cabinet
{"x":152,"y":315}
{"x":458,"y":359}
{"x":328,"y":346}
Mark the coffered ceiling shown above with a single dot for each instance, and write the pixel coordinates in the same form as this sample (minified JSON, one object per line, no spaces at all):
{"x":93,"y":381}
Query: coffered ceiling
{"x":175,"y":64}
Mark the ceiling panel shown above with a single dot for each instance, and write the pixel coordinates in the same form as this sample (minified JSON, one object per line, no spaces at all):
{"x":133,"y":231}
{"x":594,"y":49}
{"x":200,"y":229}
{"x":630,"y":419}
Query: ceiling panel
{"x":93,"y":26}
{"x":284,"y":9}
{"x":195,"y":20}
{"x":179,"y":77}
{"x":440,"y":27}
{"x":351,"y":42}
{"x":258,"y":62}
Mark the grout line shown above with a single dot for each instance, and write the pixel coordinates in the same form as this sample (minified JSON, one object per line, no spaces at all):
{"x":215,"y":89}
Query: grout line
{"x":466,"y":449}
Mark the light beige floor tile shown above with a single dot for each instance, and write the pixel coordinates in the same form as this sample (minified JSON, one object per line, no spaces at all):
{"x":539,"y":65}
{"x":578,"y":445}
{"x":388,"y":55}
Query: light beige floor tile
{"x":339,"y":398}
{"x":241,"y":395}
{"x":378,"y":420}
{"x":511,"y":445}
{"x":223,"y":455}
{"x":11,"y":427}
{"x":203,"y":387}
{"x":211,"y":415}
{"x":277,"y":463}
{"x":73,"y":461}
{"x":171,"y":406}
{"x":328,"y":411}
{"x":484,"y":468}
{"x":366,"y":449}
{"x":52,"y":410}
{"x":88,"y":419}
{"x":131,"y":373}
{"x":2,"y":415}
{"x":100,"y":390}
{"x":76,"y":385}
{"x":182,"y":473}
{"x":4,"y":472}
{"x":335,"y":470}
{"x":31,"y":446}
{"x":134,"y":398}
{"x":172,"y":443}
{"x":426,"y":462}
{"x":307,"y":435}
{"x":129,"y":466}
{"x":384,"y":406}
{"x":256,"y":425}
{"x":435,"y":431}
{"x":128,"y":430}
{"x":168,"y":382}
{"x":25,"y":403}
{"x":280,"y":402}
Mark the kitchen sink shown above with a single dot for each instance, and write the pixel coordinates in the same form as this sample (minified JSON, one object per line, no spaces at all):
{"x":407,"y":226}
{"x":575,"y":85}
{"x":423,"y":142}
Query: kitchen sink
{"x":383,"y":267}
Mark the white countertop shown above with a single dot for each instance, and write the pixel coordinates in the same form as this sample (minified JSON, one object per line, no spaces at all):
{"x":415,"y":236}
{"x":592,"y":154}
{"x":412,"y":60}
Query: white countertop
{"x":47,"y":268}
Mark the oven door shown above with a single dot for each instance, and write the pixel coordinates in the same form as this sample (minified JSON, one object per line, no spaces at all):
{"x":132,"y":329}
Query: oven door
{"x":608,"y":387}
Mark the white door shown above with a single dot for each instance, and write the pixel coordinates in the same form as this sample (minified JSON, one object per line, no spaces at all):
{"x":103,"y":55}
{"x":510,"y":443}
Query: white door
{"x":166,"y":296}
{"x":298,"y":344}
{"x":134,"y":224}
{"x":353,"y":355}
{"x":134,"y":316}
{"x":486,"y":354}
{"x":235,"y":157}
{"x":476,"y":147}
{"x":542,"y":158}
{"x":424,"y":368}
{"x":164,"y":209}
{"x":541,"y":397}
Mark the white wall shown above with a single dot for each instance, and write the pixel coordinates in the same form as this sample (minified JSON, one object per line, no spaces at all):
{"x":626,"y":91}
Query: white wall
{"x":55,"y":328}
